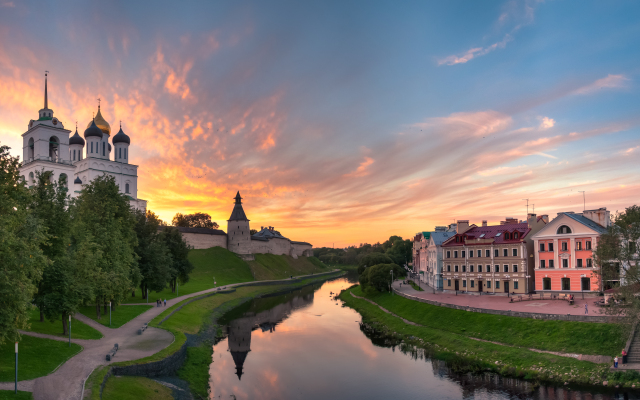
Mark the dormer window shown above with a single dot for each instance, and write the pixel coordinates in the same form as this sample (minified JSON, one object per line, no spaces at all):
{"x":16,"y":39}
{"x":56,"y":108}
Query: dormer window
{"x":506,"y":236}
{"x":563,"y":229}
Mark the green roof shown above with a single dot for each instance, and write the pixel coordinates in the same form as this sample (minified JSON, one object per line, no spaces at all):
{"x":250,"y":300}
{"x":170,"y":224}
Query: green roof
{"x":426,"y":235}
{"x":45,"y":119}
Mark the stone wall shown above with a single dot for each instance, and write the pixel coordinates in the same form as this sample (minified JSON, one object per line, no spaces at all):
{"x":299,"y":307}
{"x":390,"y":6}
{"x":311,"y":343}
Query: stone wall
{"x":301,"y":249}
{"x":204,"y":241}
{"x":555,"y":317}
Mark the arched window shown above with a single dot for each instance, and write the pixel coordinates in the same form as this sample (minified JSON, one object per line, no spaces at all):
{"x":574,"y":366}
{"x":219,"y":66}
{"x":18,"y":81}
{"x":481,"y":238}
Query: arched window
{"x":104,"y":149}
{"x":563,"y":229}
{"x":91,"y":148}
{"x":506,"y":236}
{"x":125,"y":153}
{"x":126,"y":188}
{"x":120,"y":152}
{"x":515,"y":235}
{"x":32,"y":180}
{"x":30,"y":151}
{"x":54,"y":144}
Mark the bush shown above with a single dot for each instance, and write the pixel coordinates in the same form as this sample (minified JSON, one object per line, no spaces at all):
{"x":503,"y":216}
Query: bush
{"x":379,"y":276}
{"x":372,"y":259}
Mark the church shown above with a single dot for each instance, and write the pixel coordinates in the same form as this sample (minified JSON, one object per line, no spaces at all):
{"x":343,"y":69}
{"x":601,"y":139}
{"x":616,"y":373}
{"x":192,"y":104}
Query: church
{"x":48,"y":146}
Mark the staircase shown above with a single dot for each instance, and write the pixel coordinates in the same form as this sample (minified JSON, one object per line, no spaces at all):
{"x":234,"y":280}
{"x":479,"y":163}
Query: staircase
{"x":633,"y":357}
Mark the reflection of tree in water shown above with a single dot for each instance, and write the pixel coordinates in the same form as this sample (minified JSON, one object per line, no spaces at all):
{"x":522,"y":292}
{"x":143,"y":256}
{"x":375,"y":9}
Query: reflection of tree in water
{"x":264,"y":313}
{"x":485,"y":382}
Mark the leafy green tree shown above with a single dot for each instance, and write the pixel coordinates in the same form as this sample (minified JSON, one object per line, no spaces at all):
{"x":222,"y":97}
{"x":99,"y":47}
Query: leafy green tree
{"x":178,"y":249}
{"x":196,"y":220}
{"x":103,"y":234}
{"x":399,"y":250}
{"x":21,"y":237}
{"x":378,"y":276}
{"x":372,"y":259}
{"x":154,"y":259}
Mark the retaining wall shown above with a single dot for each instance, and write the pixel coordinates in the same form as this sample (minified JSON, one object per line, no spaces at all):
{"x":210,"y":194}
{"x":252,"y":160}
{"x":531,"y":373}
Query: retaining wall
{"x":521,"y":314}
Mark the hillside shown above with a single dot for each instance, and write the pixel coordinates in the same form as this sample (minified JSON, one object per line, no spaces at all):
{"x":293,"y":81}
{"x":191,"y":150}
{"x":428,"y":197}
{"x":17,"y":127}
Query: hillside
{"x":270,"y":266}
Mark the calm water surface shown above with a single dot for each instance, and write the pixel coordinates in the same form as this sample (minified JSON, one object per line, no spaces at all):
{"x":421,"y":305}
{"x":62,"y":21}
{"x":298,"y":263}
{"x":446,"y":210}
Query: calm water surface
{"x":303,"y":345}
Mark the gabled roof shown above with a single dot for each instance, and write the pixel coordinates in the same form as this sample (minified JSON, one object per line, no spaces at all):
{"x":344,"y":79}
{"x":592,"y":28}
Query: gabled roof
{"x":267,"y":234}
{"x":587,"y":222}
{"x":439,"y":237}
{"x":494,"y":232}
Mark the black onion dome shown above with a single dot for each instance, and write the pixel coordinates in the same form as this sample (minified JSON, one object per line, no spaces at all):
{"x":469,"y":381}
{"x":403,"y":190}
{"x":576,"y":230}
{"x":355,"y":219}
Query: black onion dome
{"x":121,"y":137}
{"x":78,"y":180}
{"x":76,"y":139}
{"x":93,"y":130}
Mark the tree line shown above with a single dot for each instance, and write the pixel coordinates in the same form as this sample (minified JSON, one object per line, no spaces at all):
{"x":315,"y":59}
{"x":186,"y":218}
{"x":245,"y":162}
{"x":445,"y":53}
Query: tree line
{"x":59,"y":253}
{"x":399,"y":250}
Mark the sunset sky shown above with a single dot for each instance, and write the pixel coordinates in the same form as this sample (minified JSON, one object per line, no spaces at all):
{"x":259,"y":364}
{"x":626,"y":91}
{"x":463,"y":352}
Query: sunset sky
{"x":348,"y":121}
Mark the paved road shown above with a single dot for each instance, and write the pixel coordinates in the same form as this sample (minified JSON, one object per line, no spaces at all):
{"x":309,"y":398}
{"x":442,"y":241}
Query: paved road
{"x":496,"y":302}
{"x":66,"y":382}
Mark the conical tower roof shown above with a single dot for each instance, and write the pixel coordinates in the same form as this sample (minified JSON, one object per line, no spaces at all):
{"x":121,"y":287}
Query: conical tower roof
{"x":238,"y":212}
{"x":238,"y":359}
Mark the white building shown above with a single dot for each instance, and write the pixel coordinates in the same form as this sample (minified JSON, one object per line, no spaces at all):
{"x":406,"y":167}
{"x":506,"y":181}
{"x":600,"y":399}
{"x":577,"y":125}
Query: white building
{"x":47,"y":147}
{"x":434,"y":256}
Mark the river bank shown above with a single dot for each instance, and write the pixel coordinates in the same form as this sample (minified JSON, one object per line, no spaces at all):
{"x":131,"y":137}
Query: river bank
{"x":449,"y":338}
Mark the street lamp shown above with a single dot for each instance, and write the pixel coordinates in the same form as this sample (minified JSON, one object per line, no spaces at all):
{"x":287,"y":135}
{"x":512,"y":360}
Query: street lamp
{"x":69,"y":330}
{"x":391,"y":286}
{"x":16,"y":391}
{"x":109,"y":313}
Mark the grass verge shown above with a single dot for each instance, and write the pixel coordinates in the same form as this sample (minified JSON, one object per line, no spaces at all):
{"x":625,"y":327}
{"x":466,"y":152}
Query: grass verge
{"x":119,"y":317}
{"x":134,"y":388}
{"x":79,"y":330}
{"x":195,"y":369}
{"x":10,"y":395}
{"x":415,"y":287}
{"x":36,"y":357}
{"x":561,"y":336}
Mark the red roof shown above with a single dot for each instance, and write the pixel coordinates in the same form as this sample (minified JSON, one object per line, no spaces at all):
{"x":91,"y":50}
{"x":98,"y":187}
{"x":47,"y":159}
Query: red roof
{"x":491,"y":232}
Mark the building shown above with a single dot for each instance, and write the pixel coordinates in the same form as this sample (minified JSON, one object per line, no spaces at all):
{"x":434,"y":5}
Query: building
{"x":434,"y":255}
{"x":47,"y":147}
{"x":564,"y":252}
{"x":419,"y":241}
{"x":496,"y":259}
{"x":239,"y":240}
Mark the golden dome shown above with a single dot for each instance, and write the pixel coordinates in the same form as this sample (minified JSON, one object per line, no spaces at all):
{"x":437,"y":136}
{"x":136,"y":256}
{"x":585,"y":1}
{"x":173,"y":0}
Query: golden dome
{"x":102,"y":123}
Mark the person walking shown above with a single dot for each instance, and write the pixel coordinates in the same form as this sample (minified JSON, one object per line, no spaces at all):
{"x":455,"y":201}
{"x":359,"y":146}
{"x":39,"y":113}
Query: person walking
{"x":165,"y":302}
{"x":586,"y":308}
{"x":615,"y":362}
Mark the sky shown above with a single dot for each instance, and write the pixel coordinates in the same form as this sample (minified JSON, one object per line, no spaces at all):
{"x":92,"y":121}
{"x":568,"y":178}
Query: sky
{"x":340,"y":122}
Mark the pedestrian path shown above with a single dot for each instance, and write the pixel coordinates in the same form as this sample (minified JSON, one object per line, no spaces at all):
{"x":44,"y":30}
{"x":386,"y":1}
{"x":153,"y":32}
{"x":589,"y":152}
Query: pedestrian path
{"x":503,"y":303}
{"x":67,"y":381}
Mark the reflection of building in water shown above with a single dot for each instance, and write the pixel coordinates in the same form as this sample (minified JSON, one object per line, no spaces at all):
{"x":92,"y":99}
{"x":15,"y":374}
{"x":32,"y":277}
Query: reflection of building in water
{"x":239,"y":330}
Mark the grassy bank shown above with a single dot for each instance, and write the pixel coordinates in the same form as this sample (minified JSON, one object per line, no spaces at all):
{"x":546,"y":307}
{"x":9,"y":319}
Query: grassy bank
{"x":270,"y":266}
{"x":79,"y":330}
{"x":561,"y":336}
{"x":36,"y":357}
{"x":468,"y":355}
{"x":119,"y":317}
{"x":10,"y":395}
{"x":135,"y":388}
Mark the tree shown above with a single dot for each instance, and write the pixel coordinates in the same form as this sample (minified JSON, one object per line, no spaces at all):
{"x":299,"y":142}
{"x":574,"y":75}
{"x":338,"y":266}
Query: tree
{"x":400,"y":251}
{"x":21,"y":237}
{"x":197,"y":220}
{"x":378,"y":276}
{"x":253,"y":231}
{"x":178,"y":249}
{"x":373,"y":259}
{"x":154,"y":260}
{"x":104,"y":239}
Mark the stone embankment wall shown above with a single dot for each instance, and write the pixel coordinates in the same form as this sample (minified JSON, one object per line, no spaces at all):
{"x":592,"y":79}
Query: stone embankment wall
{"x":554,"y":317}
{"x":204,"y":241}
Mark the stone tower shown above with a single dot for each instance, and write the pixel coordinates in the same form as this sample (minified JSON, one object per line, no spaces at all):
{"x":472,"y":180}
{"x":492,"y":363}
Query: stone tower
{"x":238,"y":232}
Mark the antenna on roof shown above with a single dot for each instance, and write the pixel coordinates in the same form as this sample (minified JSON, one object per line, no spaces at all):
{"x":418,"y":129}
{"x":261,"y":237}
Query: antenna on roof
{"x":584,"y":202}
{"x":527,"y":205}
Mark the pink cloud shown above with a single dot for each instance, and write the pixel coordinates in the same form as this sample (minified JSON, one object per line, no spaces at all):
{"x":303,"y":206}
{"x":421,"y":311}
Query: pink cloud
{"x":608,"y":82}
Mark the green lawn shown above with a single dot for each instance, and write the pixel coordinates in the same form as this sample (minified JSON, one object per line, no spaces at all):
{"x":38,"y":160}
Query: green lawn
{"x":134,"y":388}
{"x":416,"y":287}
{"x":9,"y":395}
{"x":216,"y":262}
{"x":36,"y":357}
{"x":119,"y":317}
{"x":270,"y":266}
{"x":79,"y":330}
{"x":563,"y":336}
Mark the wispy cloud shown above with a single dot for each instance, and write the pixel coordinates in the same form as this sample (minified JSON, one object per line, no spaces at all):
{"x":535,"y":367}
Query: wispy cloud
{"x":547,"y":123}
{"x":608,"y":82}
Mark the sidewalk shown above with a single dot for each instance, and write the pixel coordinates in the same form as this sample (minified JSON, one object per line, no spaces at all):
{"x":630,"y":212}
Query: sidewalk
{"x":491,"y":302}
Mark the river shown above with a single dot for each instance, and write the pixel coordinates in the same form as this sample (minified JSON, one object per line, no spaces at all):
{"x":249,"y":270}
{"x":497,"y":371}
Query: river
{"x":305,"y":345}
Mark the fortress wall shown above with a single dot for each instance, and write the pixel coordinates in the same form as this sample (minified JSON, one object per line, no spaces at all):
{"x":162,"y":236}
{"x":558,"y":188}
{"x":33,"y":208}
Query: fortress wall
{"x":259,"y":247}
{"x":301,"y":250}
{"x":204,"y":241}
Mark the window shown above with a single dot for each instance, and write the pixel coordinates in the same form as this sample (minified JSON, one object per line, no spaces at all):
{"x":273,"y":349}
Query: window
{"x":470,"y":268}
{"x":506,"y":236}
{"x":448,"y":268}
{"x":587,"y":245}
{"x":464,"y":268}
{"x":515,"y":285}
{"x":541,"y":246}
{"x":497,"y":268}
{"x":455,"y":254}
{"x":455,"y":268}
{"x":495,"y":252}
{"x":479,"y":268}
{"x":126,"y":188}
{"x":457,"y":239}
{"x":479,"y":253}
{"x":488,"y":284}
{"x":74,"y":155}
{"x":505,"y":252}
{"x":551,"y":264}
{"x":125,"y":153}
{"x":448,"y":282}
{"x":550,"y":246}
{"x":579,"y":263}
{"x":564,"y":246}
{"x":487,"y":253}
{"x":103,"y":148}
{"x":563,"y":229}
{"x":566,"y":284}
{"x":565,"y":263}
{"x":515,"y":267}
{"x":120,"y":152}
{"x":472,"y":283}
{"x":586,"y":283}
{"x":497,"y":284}
{"x":463,"y":254}
{"x":514,"y":252}
{"x":91,"y":147}
{"x":470,"y":254}
{"x":515,"y":236}
{"x":589,"y":263}
{"x":505,"y":268}
{"x":464,"y":283}
{"x":448,"y":254}
{"x":546,"y":283}
{"x":578,"y":245}
{"x":488,"y":268}
{"x":542,"y":264}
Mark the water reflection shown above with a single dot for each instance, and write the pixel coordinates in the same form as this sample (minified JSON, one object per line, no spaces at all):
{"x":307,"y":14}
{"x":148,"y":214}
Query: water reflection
{"x":303,"y":345}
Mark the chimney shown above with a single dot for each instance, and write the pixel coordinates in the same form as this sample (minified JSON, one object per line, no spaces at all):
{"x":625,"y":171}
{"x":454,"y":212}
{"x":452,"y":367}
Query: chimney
{"x":545,"y":218}
{"x":601,"y":216}
{"x":484,"y":222}
{"x":531,"y":220}
{"x":441,"y":228}
{"x":462,"y":226}
{"x":509,"y":220}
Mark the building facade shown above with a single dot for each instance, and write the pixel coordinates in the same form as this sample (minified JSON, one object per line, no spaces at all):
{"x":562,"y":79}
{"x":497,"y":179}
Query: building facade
{"x":564,"y":252}
{"x":493,"y":259}
{"x":434,"y":256}
{"x":47,"y":147}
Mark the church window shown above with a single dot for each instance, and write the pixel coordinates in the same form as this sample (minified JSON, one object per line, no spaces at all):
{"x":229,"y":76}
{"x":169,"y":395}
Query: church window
{"x":103,"y":148}
{"x":125,"y":153}
{"x":120,"y":153}
{"x":126,"y":188}
{"x":74,"y":155}
{"x":91,"y":147}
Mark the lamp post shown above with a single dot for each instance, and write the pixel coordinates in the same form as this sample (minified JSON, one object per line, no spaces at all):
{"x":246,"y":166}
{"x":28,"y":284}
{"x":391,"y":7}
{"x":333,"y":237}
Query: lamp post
{"x":109,"y":313}
{"x":527,"y":282}
{"x":177,"y":288}
{"x":147,"y":296}
{"x":391,"y":286}
{"x":69,"y":330}
{"x":16,"y":391}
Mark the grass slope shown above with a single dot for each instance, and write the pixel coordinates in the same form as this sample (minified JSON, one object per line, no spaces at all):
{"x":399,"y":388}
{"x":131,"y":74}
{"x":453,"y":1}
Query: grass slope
{"x":216,"y":262}
{"x":562,"y":336}
{"x":79,"y":330}
{"x":36,"y":357}
{"x":270,"y":266}
{"x":134,"y":388}
{"x":8,"y":394}
{"x":119,"y":317}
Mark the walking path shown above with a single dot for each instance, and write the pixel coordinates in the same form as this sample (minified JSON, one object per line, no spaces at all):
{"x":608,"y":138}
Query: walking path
{"x":67,"y":381}
{"x":495,"y":302}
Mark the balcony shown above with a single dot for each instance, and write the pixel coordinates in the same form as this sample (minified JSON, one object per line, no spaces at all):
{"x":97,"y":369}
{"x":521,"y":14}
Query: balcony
{"x":47,"y":159}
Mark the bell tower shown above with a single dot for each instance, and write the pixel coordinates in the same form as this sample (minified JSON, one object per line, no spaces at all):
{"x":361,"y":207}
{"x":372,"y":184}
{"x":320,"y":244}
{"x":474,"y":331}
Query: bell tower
{"x":238,"y":232}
